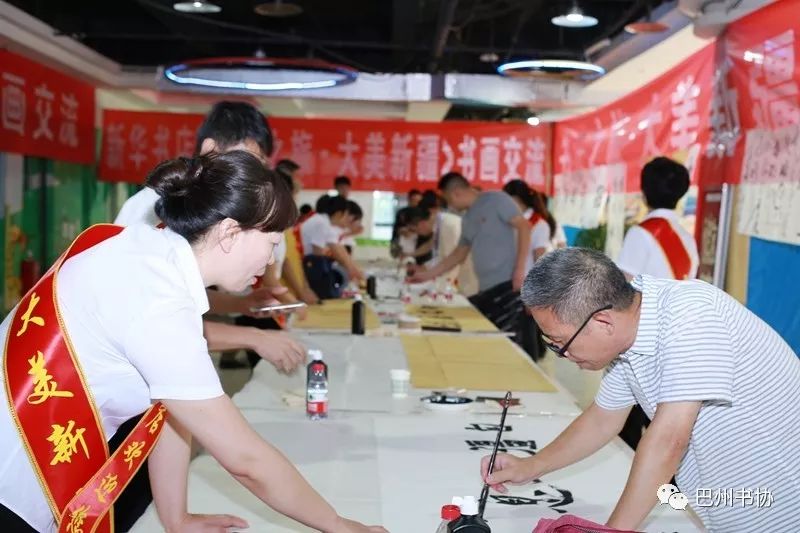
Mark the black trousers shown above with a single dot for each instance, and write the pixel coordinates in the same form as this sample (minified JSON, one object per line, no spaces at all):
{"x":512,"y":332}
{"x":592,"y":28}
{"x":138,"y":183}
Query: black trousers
{"x":322,"y":278}
{"x":632,"y":430}
{"x":502,"y":306}
{"x":128,"y":508}
{"x":137,"y":496}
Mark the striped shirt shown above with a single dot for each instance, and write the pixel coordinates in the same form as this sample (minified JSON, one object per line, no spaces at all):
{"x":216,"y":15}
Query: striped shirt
{"x":696,"y":343}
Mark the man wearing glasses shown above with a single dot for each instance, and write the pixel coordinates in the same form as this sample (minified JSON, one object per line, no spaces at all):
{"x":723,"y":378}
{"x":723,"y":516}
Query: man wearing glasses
{"x":721,"y":388}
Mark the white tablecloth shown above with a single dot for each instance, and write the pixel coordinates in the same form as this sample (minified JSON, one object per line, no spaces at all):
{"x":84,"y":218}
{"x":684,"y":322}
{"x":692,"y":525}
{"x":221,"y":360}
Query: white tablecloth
{"x":389,"y":461}
{"x":359,"y":381}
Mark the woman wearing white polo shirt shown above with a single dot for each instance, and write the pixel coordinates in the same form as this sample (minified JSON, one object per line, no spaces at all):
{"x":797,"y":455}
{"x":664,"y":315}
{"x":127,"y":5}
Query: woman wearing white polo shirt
{"x":132,"y":307}
{"x":320,"y":240}
{"x":543,"y":226}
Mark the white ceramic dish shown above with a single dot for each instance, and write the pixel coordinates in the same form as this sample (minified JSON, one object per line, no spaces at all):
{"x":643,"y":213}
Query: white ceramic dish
{"x":449,"y":405}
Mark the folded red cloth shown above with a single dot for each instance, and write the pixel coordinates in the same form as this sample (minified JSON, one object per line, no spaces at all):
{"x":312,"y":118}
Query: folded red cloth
{"x":573,"y":524}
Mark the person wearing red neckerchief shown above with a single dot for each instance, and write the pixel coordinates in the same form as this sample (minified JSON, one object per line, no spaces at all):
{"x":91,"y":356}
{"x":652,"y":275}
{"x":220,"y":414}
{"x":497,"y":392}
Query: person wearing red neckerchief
{"x":658,"y":246}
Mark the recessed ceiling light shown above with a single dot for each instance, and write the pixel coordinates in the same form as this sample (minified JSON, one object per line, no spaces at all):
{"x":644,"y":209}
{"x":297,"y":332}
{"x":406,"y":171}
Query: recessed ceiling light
{"x":574,"y":18}
{"x":198,"y":6}
{"x":534,"y":121}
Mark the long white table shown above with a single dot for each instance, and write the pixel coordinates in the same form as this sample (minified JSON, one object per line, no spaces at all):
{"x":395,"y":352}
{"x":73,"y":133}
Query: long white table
{"x":388,"y":461}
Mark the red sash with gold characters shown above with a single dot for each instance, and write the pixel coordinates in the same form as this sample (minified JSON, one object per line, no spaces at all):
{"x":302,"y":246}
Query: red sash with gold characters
{"x":671,"y":244}
{"x":298,"y":239}
{"x":55,"y":413}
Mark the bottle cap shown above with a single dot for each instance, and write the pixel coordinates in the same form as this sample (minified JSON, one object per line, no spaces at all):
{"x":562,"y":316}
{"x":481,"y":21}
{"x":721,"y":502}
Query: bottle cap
{"x":315,"y":355}
{"x":358,"y":298}
{"x":469,"y":507}
{"x":450,"y":512}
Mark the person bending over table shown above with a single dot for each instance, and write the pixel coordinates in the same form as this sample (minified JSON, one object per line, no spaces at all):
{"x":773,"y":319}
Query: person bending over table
{"x":320,"y":241}
{"x":228,"y":126}
{"x":131,"y":305}
{"x":720,"y":387}
{"x":498,"y":237}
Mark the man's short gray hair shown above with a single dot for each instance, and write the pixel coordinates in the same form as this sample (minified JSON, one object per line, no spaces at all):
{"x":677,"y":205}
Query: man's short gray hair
{"x":574,"y":283}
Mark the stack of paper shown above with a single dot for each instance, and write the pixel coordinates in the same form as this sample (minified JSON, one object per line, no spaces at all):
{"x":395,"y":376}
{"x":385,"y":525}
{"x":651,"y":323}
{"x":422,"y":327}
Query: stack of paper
{"x":471,"y":362}
{"x":335,"y":315}
{"x":465,"y":319}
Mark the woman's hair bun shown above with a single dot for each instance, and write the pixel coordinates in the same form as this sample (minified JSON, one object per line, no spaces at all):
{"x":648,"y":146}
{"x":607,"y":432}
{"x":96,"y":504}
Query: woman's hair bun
{"x":175,"y":177}
{"x":197,"y":193}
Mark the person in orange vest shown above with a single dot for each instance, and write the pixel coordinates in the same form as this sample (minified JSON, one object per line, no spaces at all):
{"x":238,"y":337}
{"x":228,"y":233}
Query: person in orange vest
{"x":291,"y":271}
{"x":658,"y":246}
{"x":121,"y":333}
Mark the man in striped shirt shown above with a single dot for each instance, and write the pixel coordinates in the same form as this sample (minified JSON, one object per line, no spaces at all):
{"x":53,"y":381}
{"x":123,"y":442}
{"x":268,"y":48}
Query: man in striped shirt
{"x":721,"y":387}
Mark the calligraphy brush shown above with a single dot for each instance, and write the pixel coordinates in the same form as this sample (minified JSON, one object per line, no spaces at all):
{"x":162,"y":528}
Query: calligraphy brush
{"x":485,"y":491}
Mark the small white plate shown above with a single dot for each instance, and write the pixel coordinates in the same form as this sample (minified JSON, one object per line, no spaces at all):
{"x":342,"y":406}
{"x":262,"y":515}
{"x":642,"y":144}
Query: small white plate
{"x":456,"y":403}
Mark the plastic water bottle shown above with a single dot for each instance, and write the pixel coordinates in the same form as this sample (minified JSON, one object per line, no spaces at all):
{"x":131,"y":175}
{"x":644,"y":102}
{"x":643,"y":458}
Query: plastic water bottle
{"x":449,"y":513}
{"x":448,"y":292}
{"x":469,"y":521}
{"x":358,"y":316}
{"x":317,"y":387}
{"x":405,"y":294}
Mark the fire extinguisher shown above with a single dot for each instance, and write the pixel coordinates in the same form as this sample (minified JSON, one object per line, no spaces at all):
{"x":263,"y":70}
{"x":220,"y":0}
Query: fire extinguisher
{"x":29,"y":272}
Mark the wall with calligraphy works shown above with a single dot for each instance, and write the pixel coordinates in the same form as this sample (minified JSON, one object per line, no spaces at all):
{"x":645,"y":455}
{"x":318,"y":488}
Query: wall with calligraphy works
{"x":763,"y":80}
{"x":759,"y":148}
{"x":375,"y":155}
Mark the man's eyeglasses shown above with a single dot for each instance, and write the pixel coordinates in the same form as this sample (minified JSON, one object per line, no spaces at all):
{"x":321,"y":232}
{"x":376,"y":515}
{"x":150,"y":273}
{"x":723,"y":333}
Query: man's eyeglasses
{"x":563,"y":350}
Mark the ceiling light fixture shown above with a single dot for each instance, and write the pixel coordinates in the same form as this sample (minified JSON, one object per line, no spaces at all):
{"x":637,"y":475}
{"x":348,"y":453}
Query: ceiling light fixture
{"x":259,"y":74}
{"x":596,"y":47}
{"x":534,"y":120}
{"x":574,"y":18}
{"x":198,"y":6}
{"x":278,"y":9}
{"x":646,"y":27}
{"x":552,"y":67}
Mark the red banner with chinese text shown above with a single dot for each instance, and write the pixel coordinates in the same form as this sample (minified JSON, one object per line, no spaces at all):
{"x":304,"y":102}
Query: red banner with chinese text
{"x":758,"y":91}
{"x":375,"y":155}
{"x":45,"y":113}
{"x":759,"y":86}
{"x":668,"y":116}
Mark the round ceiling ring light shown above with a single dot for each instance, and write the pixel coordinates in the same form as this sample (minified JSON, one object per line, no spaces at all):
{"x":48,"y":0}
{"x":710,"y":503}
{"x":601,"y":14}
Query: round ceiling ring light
{"x":260,"y":74}
{"x":561,"y":68}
